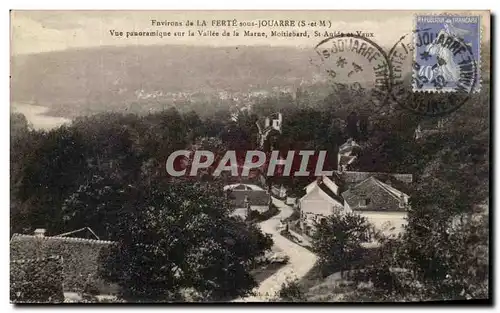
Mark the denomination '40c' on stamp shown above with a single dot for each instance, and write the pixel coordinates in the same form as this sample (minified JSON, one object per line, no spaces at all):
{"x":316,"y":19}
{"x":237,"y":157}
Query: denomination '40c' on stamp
{"x":447,"y":52}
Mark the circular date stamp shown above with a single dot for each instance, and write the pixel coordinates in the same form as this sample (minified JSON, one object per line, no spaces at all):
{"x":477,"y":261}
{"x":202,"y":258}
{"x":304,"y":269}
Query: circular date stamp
{"x":435,"y":69}
{"x":357,"y":64}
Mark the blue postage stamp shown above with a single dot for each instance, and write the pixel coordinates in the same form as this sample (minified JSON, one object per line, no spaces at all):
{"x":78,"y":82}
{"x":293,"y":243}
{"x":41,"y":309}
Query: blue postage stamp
{"x":447,"y":54}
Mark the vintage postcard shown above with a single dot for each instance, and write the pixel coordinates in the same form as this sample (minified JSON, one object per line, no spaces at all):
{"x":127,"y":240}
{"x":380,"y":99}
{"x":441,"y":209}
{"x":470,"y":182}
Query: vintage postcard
{"x":250,"y":156}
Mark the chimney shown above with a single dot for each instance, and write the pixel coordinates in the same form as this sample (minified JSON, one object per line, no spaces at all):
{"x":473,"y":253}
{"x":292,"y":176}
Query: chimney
{"x":39,"y":232}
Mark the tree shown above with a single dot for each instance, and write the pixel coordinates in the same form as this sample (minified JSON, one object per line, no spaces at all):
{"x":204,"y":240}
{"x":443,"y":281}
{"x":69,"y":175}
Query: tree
{"x":44,"y":176}
{"x":442,"y":261}
{"x":291,"y":291}
{"x":178,"y":235}
{"x":352,"y":126}
{"x":337,"y":240}
{"x":18,"y":124}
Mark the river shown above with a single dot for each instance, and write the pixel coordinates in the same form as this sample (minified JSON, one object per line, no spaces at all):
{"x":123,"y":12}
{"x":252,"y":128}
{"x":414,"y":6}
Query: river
{"x":35,"y":114}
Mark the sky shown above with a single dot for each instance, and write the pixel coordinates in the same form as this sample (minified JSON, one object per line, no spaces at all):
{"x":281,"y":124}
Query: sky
{"x":43,"y":31}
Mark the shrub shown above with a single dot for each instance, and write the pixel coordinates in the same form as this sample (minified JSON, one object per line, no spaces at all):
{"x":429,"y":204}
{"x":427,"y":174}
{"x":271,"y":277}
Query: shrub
{"x":256,"y":216}
{"x":291,"y":291}
{"x":36,"y":280}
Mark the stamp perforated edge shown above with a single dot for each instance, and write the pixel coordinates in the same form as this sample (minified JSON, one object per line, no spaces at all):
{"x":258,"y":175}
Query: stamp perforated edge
{"x":477,"y":87}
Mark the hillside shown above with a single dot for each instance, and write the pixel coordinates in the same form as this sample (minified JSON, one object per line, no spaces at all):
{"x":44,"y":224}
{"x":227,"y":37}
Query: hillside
{"x":109,"y":78}
{"x":143,"y":78}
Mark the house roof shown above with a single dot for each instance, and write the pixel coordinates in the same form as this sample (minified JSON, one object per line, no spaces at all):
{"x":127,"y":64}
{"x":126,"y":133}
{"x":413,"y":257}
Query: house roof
{"x":254,"y":197}
{"x":393,"y":191}
{"x":389,"y":189}
{"x":357,"y":177}
{"x":326,"y":180}
{"x":349,"y":143}
{"x":247,"y":187}
{"x":330,"y":184}
{"x":325,"y":189}
{"x":330,"y":193}
{"x":83,"y":230}
{"x":22,"y":237}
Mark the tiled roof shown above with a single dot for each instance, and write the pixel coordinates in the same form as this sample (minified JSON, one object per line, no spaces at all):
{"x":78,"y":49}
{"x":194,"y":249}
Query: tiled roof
{"x":375,"y":182}
{"x":245,"y":187}
{"x":393,"y":191}
{"x":17,"y":237}
{"x":255,"y":197}
{"x":357,"y":177}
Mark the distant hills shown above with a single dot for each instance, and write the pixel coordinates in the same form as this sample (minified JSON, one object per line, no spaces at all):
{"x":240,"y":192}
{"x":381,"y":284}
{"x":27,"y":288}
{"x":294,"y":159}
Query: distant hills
{"x":140,"y":78}
{"x":108,"y":78}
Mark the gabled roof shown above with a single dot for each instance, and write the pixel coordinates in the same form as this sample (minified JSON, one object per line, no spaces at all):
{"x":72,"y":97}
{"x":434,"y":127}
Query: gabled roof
{"x":393,"y":191}
{"x":254,"y":197}
{"x":356,"y":177}
{"x":325,"y":180}
{"x":389,"y":189}
{"x":26,"y":238}
{"x":325,"y":191}
{"x":249,"y":187}
{"x":323,"y":187}
{"x":333,"y":187}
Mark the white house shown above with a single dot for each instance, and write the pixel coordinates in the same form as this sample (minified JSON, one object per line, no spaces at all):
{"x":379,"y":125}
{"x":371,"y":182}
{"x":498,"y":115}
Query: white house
{"x":384,"y":206}
{"x":321,"y":200}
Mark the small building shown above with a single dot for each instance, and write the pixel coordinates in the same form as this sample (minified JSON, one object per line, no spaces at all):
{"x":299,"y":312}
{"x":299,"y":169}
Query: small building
{"x":374,"y":195}
{"x":272,"y":124}
{"x":383,"y":205}
{"x":347,"y":154}
{"x":244,"y":195}
{"x":321,"y":199}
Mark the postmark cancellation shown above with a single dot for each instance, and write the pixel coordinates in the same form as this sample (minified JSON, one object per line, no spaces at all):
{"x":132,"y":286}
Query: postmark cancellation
{"x":447,"y":52}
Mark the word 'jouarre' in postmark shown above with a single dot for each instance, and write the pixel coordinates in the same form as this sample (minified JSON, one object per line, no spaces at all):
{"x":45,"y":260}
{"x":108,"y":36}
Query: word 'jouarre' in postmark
{"x":447,"y":53}
{"x":356,"y":63}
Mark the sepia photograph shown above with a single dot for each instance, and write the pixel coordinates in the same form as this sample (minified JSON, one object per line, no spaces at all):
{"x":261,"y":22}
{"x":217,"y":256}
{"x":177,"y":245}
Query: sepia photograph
{"x":250,"y":156}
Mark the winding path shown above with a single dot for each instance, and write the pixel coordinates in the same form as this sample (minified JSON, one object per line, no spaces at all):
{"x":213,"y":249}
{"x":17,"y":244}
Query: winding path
{"x":301,"y":259}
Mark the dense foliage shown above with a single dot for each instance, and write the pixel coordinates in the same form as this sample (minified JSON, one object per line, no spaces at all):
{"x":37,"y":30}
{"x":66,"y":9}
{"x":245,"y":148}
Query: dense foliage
{"x":177,"y":236}
{"x":108,"y":172}
{"x":337,"y":240}
{"x":36,"y":280}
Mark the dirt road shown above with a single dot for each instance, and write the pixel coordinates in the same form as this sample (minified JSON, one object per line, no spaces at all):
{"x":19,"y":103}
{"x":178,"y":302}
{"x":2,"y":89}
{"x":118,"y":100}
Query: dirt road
{"x":301,"y":259}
